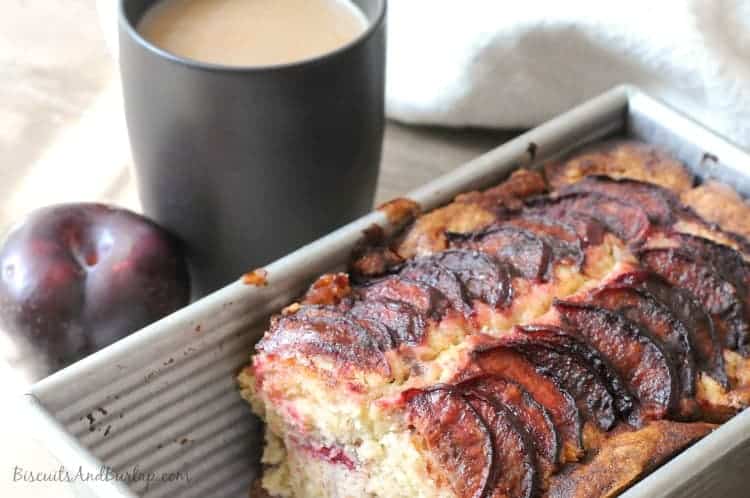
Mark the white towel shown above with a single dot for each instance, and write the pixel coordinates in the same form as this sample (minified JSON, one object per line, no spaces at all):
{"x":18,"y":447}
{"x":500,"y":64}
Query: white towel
{"x":516,"y":63}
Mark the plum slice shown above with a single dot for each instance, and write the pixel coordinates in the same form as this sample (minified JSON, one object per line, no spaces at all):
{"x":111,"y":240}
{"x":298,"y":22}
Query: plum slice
{"x":600,"y":395}
{"x":728,"y":262}
{"x":705,"y":344}
{"x":324,"y":330}
{"x":532,"y":416}
{"x":430,"y":302}
{"x":589,"y":230}
{"x":627,"y":221}
{"x":429,"y":272}
{"x":528,"y":253}
{"x":638,"y":306}
{"x":484,"y":278}
{"x":563,"y":240}
{"x":658,"y":203}
{"x":509,"y":364}
{"x":457,"y":437}
{"x":462,"y":276}
{"x":719,"y":297}
{"x":514,"y":472}
{"x":544,"y":225}
{"x":396,"y":321}
{"x":637,"y":358}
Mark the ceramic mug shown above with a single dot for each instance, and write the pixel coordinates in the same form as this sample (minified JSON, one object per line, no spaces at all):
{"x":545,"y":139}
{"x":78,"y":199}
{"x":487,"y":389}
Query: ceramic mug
{"x":245,"y":164}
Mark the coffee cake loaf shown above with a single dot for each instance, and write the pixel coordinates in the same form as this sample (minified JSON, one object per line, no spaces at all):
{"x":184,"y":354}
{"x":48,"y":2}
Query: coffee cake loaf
{"x":561,"y":334}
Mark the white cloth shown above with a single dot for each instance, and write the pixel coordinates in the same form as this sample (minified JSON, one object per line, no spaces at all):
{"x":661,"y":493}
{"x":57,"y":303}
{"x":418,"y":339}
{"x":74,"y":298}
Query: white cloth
{"x":516,"y":63}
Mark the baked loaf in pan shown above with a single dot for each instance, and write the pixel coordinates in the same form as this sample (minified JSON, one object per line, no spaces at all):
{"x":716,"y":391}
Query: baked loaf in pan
{"x":561,"y":334}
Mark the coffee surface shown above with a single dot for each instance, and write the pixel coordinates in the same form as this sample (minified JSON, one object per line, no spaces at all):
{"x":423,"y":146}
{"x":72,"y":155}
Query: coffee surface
{"x":251,"y":32}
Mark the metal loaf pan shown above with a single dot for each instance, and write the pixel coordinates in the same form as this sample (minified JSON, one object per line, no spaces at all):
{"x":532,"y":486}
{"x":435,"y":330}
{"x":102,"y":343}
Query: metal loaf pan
{"x":164,"y":399}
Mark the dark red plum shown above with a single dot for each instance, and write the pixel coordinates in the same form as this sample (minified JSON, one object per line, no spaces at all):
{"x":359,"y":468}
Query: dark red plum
{"x":77,"y":277}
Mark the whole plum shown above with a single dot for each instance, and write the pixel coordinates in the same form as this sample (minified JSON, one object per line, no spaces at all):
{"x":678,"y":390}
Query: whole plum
{"x":77,"y":277}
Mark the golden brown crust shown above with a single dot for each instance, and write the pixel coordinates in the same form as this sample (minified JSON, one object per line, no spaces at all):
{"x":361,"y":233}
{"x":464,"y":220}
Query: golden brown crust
{"x":624,"y":457}
{"x":621,"y":159}
{"x":427,"y":235}
{"x":522,"y":183}
{"x":256,"y":278}
{"x":470,"y":212}
{"x":330,"y":288}
{"x":720,"y":204}
{"x":374,"y":261}
{"x":373,"y":255}
{"x":400,"y":210}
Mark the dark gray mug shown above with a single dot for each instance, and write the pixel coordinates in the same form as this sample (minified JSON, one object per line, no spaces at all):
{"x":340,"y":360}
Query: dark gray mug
{"x":247,"y":164}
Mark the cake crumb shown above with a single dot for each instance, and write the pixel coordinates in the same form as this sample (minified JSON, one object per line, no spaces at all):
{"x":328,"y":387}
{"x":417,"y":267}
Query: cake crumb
{"x":257,"y":277}
{"x":291,"y":309}
{"x":400,"y":210}
{"x":330,"y":288}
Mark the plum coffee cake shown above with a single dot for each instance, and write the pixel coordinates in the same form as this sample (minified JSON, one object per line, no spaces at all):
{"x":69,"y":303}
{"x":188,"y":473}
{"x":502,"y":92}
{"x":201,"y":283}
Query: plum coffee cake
{"x":561,"y":334}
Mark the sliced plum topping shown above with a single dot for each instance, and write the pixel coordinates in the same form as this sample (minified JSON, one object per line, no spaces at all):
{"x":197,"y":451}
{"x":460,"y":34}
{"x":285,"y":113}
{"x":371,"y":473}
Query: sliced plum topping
{"x":462,"y":276}
{"x":541,"y":224}
{"x":401,"y":323}
{"x":657,"y":202}
{"x":458,"y":439}
{"x":323,"y":330}
{"x":638,"y":306}
{"x":484,"y":278}
{"x":524,"y":250}
{"x":430,"y":302}
{"x":628,"y":222}
{"x":599,"y":393}
{"x":532,"y":416}
{"x":589,"y":230}
{"x":637,"y":358}
{"x":514,"y":472}
{"x":563,"y":241}
{"x":705,"y":343}
{"x":718,"y":296}
{"x":427,"y":271}
{"x":728,"y":262}
{"x":511,"y":365}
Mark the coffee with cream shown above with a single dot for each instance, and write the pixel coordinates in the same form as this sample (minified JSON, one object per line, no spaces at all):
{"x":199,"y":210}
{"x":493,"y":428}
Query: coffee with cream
{"x":251,"y":32}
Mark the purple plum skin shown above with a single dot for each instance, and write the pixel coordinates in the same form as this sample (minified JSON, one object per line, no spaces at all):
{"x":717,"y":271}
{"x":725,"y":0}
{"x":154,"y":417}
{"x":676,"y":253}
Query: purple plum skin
{"x":75,"y":278}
